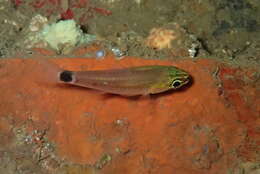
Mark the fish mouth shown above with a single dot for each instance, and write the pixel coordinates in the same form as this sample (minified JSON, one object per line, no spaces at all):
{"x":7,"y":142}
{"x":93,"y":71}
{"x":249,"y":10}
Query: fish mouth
{"x":185,"y":80}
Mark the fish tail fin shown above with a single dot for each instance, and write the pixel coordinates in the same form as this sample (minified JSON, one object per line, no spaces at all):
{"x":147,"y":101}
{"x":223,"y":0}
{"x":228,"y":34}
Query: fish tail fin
{"x":48,"y":71}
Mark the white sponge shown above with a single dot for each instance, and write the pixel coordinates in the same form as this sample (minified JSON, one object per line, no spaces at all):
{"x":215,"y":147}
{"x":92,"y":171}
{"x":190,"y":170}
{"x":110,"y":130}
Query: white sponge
{"x":63,"y":32}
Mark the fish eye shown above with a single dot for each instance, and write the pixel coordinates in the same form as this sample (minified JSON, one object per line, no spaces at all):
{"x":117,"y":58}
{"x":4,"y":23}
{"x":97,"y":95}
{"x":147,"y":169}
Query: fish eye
{"x":176,"y":83}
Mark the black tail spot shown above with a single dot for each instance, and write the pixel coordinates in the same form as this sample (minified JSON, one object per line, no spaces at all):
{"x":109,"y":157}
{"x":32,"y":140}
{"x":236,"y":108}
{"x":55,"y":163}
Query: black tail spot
{"x":66,"y":76}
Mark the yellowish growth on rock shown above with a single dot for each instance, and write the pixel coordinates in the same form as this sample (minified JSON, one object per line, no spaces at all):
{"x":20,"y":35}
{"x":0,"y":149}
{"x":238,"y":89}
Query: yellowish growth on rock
{"x":160,"y":38}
